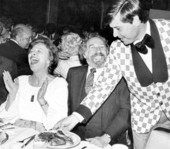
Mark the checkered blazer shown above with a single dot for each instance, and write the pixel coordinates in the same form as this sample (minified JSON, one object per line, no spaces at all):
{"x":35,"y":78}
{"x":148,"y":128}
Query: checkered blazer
{"x":146,"y":102}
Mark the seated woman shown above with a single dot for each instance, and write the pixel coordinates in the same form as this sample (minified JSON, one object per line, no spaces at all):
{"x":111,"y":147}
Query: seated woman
{"x":69,"y":54}
{"x":38,"y":100}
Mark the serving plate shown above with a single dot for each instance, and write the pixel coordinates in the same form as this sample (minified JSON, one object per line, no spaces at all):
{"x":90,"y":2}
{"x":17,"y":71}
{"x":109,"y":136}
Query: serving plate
{"x":75,"y":141}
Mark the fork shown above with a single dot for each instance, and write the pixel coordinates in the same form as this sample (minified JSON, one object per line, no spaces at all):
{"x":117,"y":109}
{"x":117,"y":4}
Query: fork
{"x":31,"y":139}
{"x":22,"y":141}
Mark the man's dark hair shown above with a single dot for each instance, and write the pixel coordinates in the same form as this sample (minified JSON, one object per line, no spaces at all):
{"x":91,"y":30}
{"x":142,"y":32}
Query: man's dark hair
{"x":128,"y":9}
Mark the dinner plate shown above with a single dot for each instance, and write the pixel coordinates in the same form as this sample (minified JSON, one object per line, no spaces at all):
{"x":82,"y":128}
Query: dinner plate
{"x":75,"y":138}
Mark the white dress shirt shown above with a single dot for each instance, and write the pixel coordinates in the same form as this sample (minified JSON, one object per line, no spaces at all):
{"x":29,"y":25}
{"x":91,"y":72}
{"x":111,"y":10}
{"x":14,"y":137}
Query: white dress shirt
{"x":147,"y":58}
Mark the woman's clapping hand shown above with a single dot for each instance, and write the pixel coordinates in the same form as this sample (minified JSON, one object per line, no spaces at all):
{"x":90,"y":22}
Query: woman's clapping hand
{"x":11,"y":86}
{"x":42,"y":91}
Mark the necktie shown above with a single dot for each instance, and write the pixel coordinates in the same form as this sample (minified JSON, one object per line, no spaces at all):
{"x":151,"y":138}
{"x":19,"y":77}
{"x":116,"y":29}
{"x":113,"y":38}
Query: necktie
{"x":89,"y":80}
{"x":147,"y":41}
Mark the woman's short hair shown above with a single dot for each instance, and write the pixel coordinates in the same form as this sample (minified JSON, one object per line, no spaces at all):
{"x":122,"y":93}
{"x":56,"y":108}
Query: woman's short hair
{"x":128,"y":9}
{"x":53,"y":52}
{"x":70,"y":43}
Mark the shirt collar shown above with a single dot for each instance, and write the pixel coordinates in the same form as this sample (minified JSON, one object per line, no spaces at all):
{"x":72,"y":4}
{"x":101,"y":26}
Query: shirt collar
{"x":148,"y":27}
{"x":14,"y":41}
{"x":148,"y":31}
{"x":74,"y":57}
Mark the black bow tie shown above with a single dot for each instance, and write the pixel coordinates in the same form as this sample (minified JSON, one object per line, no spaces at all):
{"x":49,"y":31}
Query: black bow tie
{"x":147,"y":41}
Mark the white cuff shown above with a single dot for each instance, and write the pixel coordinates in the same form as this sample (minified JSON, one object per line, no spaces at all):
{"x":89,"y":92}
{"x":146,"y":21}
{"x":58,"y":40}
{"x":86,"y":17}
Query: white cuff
{"x":78,"y":116}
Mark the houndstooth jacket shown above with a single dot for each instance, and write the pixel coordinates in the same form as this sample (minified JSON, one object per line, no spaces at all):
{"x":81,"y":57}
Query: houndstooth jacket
{"x":147,"y":103}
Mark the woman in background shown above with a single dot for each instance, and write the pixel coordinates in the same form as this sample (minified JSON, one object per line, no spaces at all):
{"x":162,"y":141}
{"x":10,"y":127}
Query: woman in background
{"x":69,"y":54}
{"x":38,"y":100}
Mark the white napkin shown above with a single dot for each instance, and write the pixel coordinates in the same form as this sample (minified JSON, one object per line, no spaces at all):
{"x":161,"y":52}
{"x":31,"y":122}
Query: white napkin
{"x":90,"y":146}
{"x":119,"y":146}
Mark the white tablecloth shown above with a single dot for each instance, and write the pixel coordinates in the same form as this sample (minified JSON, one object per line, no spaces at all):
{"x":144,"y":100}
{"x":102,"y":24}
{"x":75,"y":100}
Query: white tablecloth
{"x":20,"y":133}
{"x":16,"y":135}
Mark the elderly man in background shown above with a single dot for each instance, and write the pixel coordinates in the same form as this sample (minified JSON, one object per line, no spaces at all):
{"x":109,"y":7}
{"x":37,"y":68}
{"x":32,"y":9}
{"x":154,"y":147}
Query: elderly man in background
{"x":14,"y":49}
{"x":105,"y":126}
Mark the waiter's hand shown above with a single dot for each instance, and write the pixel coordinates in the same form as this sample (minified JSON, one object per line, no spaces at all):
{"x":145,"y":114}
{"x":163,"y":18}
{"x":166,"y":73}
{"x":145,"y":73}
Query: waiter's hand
{"x":67,"y":123}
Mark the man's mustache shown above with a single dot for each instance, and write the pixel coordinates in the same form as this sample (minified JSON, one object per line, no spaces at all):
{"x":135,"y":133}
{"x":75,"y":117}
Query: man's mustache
{"x":99,"y":54}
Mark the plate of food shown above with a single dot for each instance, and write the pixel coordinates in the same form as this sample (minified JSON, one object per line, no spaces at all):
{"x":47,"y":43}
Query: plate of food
{"x":3,"y":137}
{"x":57,"y":139}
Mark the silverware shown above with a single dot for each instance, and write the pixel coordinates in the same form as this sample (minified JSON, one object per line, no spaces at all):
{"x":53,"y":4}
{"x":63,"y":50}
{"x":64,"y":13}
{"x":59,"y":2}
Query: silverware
{"x":31,"y":139}
{"x":84,"y":147}
{"x":22,"y":141}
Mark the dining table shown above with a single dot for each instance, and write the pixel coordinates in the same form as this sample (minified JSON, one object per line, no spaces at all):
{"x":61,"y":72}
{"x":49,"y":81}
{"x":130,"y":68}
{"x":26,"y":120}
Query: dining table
{"x":17,"y":134}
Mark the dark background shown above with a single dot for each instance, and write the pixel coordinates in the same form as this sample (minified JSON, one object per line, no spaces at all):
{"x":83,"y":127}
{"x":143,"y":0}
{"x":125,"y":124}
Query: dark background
{"x":81,"y":14}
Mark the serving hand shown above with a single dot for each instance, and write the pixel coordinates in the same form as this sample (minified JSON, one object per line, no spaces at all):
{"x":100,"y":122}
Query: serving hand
{"x":11,"y":86}
{"x":67,"y":123}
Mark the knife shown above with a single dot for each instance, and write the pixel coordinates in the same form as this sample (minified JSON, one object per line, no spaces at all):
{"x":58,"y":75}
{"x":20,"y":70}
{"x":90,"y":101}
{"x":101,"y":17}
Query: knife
{"x":25,"y":144}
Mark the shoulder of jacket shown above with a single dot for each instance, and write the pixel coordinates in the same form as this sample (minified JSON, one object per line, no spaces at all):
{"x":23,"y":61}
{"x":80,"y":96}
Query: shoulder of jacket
{"x":161,"y":21}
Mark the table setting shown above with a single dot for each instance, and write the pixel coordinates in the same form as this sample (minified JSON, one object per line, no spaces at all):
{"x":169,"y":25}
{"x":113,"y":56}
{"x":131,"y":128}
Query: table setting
{"x":14,"y":137}
{"x":17,"y":137}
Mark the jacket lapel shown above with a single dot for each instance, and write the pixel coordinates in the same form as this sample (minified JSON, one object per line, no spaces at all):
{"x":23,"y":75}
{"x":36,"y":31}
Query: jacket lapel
{"x":159,"y":65}
{"x":142,"y":72}
{"x":160,"y":71}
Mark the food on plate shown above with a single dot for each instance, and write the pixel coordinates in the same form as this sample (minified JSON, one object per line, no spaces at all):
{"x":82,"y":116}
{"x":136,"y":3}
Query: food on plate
{"x":55,"y":138}
{"x":57,"y":141}
{"x":3,"y":137}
